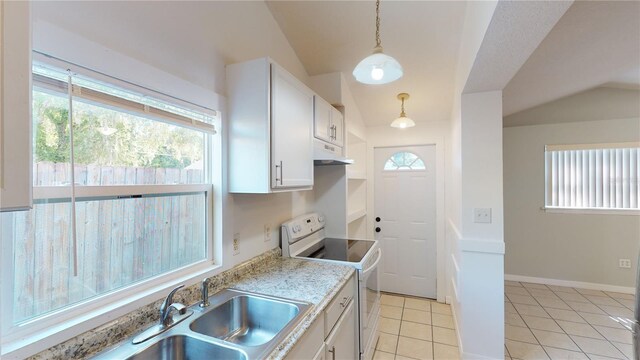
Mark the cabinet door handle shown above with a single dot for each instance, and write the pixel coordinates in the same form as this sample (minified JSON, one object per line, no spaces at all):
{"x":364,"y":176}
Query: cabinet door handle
{"x":333,"y":352}
{"x":280,"y":179}
{"x":345,"y":301}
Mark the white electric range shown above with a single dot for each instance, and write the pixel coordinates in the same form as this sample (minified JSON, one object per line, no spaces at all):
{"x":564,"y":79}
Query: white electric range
{"x":304,"y":237}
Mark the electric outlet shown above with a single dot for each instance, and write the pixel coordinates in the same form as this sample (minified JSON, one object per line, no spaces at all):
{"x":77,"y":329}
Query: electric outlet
{"x":624,"y":263}
{"x":267,"y":232}
{"x":236,"y":244}
{"x":482,"y":215}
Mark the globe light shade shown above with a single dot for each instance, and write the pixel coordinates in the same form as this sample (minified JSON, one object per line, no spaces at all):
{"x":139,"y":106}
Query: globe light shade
{"x":403,"y":122}
{"x":378,"y":68}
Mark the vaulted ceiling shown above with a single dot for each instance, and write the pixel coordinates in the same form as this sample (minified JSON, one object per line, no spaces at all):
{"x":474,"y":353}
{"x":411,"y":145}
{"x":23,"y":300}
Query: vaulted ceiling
{"x":593,"y":43}
{"x":424,"y":36}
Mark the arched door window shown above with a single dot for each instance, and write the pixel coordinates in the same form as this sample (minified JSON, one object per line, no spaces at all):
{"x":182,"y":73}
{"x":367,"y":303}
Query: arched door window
{"x":404,"y":160}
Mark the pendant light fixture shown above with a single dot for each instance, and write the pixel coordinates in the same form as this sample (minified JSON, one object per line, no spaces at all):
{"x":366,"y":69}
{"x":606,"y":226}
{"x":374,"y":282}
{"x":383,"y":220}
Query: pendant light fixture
{"x":403,"y":121}
{"x":378,"y":68}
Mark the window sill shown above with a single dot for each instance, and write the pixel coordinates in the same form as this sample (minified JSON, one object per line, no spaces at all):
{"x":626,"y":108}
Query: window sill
{"x":38,"y":341}
{"x":590,"y":211}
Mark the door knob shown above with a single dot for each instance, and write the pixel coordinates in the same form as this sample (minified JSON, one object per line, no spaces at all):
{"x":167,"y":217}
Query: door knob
{"x":378,"y":229}
{"x":378,"y":219}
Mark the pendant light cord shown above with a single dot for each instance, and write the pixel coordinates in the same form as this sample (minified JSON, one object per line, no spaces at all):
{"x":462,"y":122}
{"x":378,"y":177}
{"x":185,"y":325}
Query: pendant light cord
{"x":402,"y":108}
{"x":378,"y":42}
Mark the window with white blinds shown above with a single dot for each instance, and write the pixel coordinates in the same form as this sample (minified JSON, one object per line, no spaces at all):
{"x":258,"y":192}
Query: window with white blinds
{"x":593,"y":176}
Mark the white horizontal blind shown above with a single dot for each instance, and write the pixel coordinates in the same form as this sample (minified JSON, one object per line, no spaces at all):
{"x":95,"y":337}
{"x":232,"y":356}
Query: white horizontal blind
{"x":594,"y":176}
{"x":86,"y":89}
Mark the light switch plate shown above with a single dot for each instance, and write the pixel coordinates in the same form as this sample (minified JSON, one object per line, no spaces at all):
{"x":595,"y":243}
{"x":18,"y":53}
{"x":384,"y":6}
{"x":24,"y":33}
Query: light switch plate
{"x":482,"y":215}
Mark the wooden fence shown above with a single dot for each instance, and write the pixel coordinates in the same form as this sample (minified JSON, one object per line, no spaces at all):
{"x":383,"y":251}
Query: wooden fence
{"x":119,"y":242}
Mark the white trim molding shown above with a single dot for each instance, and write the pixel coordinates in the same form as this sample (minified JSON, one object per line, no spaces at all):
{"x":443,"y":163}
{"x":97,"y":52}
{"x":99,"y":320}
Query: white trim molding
{"x":570,"y":283}
{"x":482,"y":246}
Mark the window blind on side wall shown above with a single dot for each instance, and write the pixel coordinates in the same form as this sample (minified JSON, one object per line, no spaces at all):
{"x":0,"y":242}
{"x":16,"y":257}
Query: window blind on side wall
{"x":599,"y":176}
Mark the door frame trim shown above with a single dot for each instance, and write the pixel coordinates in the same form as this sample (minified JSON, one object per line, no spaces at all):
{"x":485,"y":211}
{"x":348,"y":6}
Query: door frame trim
{"x":441,"y":250}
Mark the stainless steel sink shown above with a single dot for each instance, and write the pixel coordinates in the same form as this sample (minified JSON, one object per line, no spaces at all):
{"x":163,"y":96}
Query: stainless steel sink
{"x":237,"y":325}
{"x":247,"y":320}
{"x":182,"y":347}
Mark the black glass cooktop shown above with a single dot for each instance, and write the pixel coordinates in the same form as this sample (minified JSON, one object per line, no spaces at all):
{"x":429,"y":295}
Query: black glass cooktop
{"x":339,"y":249}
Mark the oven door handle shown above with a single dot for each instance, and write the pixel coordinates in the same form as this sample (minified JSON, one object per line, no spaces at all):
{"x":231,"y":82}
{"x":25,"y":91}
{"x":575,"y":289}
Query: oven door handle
{"x":373,"y":266}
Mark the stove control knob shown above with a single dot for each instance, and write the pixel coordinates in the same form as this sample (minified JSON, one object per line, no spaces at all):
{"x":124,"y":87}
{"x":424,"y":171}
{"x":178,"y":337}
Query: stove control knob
{"x":321,"y":219}
{"x":297,"y":228}
{"x":294,"y":229}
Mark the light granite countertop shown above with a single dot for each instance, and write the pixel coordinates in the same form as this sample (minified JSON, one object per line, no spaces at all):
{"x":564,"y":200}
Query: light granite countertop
{"x":310,"y":281}
{"x":314,"y":282}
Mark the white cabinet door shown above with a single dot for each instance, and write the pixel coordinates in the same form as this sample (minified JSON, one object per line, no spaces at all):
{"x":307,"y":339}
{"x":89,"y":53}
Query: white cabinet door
{"x":322,"y":119}
{"x":320,"y":354}
{"x":341,"y":343}
{"x":291,"y":131}
{"x":15,"y":134}
{"x":337,"y":121}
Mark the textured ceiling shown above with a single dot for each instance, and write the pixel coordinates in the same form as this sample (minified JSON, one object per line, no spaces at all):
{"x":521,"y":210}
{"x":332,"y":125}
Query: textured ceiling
{"x":594,"y":43}
{"x":424,"y":36}
{"x":515,"y":31}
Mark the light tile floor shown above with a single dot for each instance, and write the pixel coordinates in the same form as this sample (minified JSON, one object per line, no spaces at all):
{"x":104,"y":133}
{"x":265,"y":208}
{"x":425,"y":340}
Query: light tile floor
{"x":415,"y":328}
{"x":555,"y":322}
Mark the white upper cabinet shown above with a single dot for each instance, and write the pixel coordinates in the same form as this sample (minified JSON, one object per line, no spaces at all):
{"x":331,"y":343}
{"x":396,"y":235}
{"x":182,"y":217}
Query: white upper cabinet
{"x":322,"y":120}
{"x":15,"y":134}
{"x":291,"y":131}
{"x":328,"y":122}
{"x":337,"y":121}
{"x":270,"y":129}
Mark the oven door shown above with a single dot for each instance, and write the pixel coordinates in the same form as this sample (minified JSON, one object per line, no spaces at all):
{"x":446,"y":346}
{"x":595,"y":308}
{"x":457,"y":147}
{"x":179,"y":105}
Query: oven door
{"x":369,"y":294}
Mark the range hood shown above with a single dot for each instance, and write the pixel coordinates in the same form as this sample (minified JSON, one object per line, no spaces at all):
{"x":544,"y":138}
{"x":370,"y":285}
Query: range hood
{"x":328,"y":154}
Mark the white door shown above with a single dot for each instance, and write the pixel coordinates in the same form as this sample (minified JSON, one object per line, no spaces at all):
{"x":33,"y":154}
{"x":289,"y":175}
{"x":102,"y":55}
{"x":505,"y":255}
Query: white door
{"x":291,"y":131}
{"x":405,"y":218}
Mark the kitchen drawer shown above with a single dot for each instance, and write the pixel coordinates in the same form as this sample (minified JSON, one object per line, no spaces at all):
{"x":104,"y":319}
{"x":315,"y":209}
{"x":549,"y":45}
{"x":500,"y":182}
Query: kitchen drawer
{"x":338,"y":304}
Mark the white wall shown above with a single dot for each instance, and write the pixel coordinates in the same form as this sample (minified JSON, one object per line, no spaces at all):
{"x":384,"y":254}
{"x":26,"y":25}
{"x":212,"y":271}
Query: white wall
{"x":481,"y":249}
{"x":425,"y":133}
{"x":601,"y":103}
{"x":180,"y":49}
{"x":475,"y":273}
{"x":573,"y":247}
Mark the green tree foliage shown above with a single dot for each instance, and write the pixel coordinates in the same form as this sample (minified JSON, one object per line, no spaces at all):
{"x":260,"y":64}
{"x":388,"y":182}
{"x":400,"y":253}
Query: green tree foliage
{"x":106,"y":137}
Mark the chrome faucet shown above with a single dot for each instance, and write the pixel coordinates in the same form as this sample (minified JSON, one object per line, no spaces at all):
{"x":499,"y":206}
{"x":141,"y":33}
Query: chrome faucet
{"x":205,"y":293}
{"x":167,"y":306}
{"x":166,"y":320}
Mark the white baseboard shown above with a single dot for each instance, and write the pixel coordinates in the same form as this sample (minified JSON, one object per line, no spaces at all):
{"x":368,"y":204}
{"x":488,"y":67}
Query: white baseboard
{"x":568,"y":283}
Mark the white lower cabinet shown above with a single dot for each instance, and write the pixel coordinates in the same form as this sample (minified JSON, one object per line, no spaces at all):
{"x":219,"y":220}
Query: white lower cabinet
{"x":320,"y":354}
{"x":311,"y":344}
{"x":333,"y":335}
{"x":341,"y":342}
